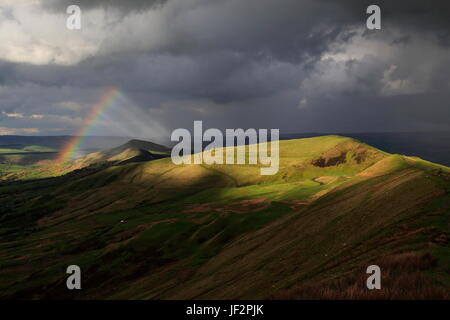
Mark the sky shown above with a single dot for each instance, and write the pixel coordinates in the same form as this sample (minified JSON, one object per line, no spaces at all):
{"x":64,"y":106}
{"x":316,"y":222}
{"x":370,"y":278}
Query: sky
{"x":295,"y":65}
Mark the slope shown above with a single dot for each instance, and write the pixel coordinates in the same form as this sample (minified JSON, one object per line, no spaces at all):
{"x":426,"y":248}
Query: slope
{"x":132,"y":151}
{"x":154,"y":230}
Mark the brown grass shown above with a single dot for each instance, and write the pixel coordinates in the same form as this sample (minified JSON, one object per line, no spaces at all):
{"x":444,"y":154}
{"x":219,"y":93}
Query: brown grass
{"x":402,"y":278}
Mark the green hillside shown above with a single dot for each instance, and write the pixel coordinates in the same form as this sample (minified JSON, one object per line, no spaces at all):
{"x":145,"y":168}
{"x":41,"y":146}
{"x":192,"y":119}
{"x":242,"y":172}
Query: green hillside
{"x":18,"y":161}
{"x":19,"y":148}
{"x":29,"y":162}
{"x":155,"y":230}
{"x":132,"y":151}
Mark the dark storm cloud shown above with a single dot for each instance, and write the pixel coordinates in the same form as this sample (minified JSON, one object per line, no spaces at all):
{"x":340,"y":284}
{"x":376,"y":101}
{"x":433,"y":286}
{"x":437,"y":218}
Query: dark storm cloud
{"x":411,"y":14}
{"x":289,"y":30}
{"x":223,"y":51}
{"x":6,"y":72}
{"x":261,"y":63}
{"x":122,"y":5}
{"x":221,"y":77}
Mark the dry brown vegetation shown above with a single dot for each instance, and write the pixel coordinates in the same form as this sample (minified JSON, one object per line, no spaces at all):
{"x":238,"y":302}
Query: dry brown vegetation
{"x":402,"y":278}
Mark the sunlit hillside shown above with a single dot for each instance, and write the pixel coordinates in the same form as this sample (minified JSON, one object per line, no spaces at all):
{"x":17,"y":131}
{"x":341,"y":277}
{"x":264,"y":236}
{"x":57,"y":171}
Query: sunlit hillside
{"x":155,"y":230}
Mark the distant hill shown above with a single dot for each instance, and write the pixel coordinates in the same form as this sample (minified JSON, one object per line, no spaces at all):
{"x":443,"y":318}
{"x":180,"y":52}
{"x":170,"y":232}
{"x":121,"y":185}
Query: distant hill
{"x":155,"y":230}
{"x":15,"y":159}
{"x":142,"y":145}
{"x":132,"y":151}
{"x":432,"y":146}
{"x":21,"y":162}
{"x":57,"y":142}
{"x":20,"y":148}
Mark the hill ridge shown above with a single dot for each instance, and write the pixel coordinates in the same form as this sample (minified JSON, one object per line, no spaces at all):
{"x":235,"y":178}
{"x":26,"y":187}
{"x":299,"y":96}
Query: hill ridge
{"x":226,"y":232}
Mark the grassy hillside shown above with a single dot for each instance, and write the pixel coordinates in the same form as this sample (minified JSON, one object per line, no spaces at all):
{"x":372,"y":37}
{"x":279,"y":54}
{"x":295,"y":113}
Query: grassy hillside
{"x":19,"y":161}
{"x":132,"y":151}
{"x":155,"y":230}
{"x":27,"y":162}
{"x":20,"y":148}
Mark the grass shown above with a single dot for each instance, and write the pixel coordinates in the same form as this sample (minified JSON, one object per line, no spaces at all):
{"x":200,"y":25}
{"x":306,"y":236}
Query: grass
{"x":22,"y":162}
{"x":156,"y":230}
{"x":25,"y":149}
{"x":401,"y":279}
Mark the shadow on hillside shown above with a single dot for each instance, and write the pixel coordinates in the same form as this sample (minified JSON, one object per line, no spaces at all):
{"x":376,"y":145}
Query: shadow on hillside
{"x":403,"y":279}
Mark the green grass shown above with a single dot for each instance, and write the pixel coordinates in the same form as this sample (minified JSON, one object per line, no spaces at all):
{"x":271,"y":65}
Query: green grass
{"x":21,"y":162}
{"x":25,"y":149}
{"x":141,"y":227}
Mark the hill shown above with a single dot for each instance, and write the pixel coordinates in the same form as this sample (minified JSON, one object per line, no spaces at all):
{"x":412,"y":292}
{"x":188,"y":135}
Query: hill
{"x":15,"y":159}
{"x":143,"y":145}
{"x":154,"y":230}
{"x":432,"y":146}
{"x":57,"y":142}
{"x":132,"y":151}
{"x":35,"y":162}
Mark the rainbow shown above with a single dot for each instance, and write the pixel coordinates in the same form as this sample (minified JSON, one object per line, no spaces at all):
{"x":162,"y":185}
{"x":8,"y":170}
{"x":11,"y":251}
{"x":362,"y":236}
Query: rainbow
{"x":94,"y":114}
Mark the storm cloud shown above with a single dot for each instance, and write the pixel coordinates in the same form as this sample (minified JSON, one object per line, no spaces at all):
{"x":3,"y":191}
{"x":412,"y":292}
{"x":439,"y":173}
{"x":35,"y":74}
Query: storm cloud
{"x":124,"y":6}
{"x":297,"y":65}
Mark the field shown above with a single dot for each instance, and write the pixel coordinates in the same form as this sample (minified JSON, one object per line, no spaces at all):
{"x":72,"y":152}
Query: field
{"x":18,"y":161}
